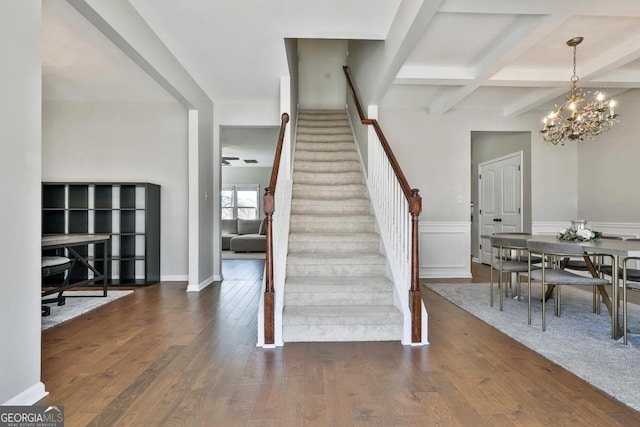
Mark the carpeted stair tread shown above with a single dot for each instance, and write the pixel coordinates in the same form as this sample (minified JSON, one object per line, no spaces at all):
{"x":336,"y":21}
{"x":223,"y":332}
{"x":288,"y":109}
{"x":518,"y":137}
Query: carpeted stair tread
{"x":337,"y":315}
{"x":330,"y":284}
{"x":333,"y":166}
{"x":338,"y":291}
{"x":327,"y":178}
{"x":329,"y":193}
{"x":334,"y":237}
{"x":328,"y":259}
{"x":334,"y":243}
{"x":334,"y":123}
{"x":320,"y":112}
{"x":313,"y":140}
{"x":326,"y":156}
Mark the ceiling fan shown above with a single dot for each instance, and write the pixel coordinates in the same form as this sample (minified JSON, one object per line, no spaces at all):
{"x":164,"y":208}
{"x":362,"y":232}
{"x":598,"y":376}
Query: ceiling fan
{"x":225,"y":160}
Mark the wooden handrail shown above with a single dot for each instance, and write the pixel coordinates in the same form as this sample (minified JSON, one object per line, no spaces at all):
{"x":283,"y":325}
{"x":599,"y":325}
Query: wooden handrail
{"x":415,"y":208}
{"x":268,"y":203}
{"x":406,"y":189}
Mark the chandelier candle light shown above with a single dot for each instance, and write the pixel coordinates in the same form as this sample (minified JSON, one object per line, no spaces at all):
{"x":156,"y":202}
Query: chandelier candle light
{"x":577,"y":119}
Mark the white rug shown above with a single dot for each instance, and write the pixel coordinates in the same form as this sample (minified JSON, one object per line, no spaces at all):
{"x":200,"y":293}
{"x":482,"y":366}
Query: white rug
{"x":579,"y":340}
{"x":77,"y":306}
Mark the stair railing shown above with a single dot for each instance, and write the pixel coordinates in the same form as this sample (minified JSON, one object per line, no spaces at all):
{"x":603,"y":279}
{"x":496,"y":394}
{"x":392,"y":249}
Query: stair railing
{"x":399,"y":206}
{"x":269,"y":209}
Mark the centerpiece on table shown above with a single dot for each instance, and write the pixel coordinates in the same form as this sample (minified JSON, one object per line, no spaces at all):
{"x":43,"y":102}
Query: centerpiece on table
{"x":578,"y":232}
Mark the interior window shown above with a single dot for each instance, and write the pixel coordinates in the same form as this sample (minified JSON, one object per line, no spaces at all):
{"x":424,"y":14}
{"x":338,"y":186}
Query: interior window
{"x":240,"y":201}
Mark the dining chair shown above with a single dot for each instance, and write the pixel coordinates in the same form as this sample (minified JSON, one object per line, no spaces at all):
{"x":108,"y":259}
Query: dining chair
{"x":508,"y":260}
{"x":550,"y":272}
{"x":579,"y":264}
{"x":630,"y":280}
{"x":51,"y":266}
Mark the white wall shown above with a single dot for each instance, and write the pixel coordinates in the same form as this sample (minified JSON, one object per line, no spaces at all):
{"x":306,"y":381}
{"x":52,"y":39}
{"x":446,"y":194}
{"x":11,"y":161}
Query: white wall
{"x":321,"y":83}
{"x":435,"y":154}
{"x":20,"y":130}
{"x":608,"y":176}
{"x":125,"y":142}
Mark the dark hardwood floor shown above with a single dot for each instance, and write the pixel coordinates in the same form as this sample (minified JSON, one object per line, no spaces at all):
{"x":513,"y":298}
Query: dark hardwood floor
{"x":166,"y":357}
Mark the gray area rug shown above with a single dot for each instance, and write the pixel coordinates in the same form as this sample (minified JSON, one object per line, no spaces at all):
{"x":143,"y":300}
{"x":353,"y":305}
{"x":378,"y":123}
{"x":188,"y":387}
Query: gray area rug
{"x":77,"y":306}
{"x":579,"y":340}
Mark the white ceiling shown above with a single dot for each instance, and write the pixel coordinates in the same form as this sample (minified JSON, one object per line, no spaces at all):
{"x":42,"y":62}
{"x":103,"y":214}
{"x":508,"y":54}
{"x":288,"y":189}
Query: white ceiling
{"x":506,"y":55}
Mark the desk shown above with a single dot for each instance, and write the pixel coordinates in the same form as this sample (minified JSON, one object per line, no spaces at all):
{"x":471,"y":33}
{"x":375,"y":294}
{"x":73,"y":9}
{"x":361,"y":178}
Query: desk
{"x":618,"y":249}
{"x":70,"y":242}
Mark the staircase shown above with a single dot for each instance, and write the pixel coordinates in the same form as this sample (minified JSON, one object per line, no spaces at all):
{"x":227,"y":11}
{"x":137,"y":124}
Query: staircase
{"x":336,"y":288}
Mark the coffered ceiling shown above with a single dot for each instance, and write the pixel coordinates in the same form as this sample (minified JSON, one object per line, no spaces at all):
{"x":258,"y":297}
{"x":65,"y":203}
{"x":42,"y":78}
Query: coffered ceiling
{"x":505,"y":55}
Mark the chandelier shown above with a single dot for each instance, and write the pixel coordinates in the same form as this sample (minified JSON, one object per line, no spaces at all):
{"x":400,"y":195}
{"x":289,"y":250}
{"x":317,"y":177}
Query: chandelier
{"x":577,"y":119}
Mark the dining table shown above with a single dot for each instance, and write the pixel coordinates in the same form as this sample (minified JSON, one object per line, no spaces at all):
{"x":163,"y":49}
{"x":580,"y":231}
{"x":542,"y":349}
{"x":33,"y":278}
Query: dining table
{"x":618,"y":250}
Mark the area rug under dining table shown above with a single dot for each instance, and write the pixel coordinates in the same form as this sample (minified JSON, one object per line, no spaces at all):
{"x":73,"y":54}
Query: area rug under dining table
{"x":579,"y":340}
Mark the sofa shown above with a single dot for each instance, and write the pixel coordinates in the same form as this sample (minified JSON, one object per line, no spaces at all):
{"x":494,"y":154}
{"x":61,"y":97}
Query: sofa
{"x":243,"y":235}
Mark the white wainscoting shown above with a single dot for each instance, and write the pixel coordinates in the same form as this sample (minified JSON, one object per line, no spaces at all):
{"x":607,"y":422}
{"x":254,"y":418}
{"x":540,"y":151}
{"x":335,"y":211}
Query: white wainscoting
{"x":445,"y":250}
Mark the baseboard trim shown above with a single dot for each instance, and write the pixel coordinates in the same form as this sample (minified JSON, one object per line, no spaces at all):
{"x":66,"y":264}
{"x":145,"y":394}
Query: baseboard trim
{"x":28,"y":397}
{"x":174,"y":278}
{"x":200,"y":286}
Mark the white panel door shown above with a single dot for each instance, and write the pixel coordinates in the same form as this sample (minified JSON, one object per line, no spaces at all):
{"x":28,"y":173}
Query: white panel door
{"x":500,"y":206}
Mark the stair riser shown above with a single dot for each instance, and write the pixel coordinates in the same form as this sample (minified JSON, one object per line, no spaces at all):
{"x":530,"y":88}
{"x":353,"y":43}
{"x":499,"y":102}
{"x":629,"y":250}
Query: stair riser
{"x":339,"y":270}
{"x":340,"y":122}
{"x":336,"y":333}
{"x":329,"y":194}
{"x":331,"y":227}
{"x":324,"y":131}
{"x":327,"y":179}
{"x":324,"y":140}
{"x":324,"y":116}
{"x":329,"y":210}
{"x":333,"y":247}
{"x":326,"y":156}
{"x":337,"y":167}
{"x":338,"y":298}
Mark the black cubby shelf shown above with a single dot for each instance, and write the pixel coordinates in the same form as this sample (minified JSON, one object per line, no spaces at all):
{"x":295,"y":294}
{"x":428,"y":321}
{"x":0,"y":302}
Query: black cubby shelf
{"x":129,"y":211}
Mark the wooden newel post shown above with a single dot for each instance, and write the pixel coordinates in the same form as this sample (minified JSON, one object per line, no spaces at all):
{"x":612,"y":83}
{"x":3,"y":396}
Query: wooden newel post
{"x":269,"y":291}
{"x":415,"y":297}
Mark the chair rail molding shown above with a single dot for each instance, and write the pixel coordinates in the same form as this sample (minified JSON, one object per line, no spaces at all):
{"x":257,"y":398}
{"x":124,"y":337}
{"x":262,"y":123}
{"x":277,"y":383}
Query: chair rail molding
{"x":445,"y":249}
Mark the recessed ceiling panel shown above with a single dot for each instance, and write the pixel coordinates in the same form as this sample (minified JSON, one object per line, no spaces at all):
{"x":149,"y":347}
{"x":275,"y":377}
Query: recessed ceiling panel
{"x":454,"y":39}
{"x":601,"y":33}
{"x":411,"y":96}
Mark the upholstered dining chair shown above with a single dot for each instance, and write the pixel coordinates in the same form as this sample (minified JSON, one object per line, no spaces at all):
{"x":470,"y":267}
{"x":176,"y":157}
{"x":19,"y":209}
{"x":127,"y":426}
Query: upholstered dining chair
{"x":508,"y":260}
{"x":51,"y":266}
{"x":550,"y":272}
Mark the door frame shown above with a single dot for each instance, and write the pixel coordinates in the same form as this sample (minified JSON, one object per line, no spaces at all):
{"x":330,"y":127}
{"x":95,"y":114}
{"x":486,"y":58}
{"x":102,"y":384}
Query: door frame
{"x":520,"y":156}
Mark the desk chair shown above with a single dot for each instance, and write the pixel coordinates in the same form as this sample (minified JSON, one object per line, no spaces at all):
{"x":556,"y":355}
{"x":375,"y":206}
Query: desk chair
{"x":51,"y":266}
{"x":553,"y":275}
{"x":509,"y":260}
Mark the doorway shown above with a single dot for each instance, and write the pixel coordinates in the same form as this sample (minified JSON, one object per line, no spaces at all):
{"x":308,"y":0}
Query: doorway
{"x":500,"y":199}
{"x":485,"y":147}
